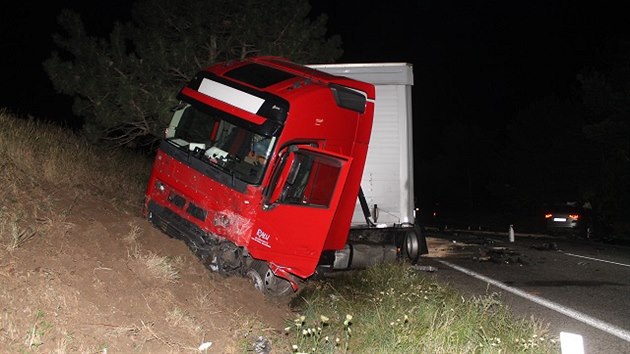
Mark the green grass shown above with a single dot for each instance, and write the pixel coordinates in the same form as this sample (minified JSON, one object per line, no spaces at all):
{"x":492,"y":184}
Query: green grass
{"x":394,"y":309}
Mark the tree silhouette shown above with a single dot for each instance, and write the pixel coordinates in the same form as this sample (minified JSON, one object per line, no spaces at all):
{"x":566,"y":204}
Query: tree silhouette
{"x":604,"y":92}
{"x":123,"y":86}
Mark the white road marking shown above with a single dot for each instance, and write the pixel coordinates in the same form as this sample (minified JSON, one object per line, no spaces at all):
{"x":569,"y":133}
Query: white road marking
{"x":596,"y":259}
{"x":582,"y":317}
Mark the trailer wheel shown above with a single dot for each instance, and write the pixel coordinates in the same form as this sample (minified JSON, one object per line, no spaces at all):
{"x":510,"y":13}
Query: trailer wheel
{"x":266,"y":282}
{"x":411,"y":246}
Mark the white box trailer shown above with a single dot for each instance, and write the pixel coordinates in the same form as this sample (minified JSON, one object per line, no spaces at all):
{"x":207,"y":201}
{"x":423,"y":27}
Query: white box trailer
{"x":387,"y":180}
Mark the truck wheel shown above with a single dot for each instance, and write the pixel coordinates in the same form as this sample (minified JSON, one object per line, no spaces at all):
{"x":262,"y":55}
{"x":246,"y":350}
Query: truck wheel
{"x":411,"y":246}
{"x":266,"y":282}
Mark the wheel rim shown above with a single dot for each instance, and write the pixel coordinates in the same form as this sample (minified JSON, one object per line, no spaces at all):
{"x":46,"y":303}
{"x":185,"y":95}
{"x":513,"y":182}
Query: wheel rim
{"x":266,"y":282}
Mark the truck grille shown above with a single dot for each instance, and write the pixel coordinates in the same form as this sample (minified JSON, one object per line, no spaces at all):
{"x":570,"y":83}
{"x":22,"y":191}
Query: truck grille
{"x":196,"y":212}
{"x":177,"y":200}
{"x":175,"y":226}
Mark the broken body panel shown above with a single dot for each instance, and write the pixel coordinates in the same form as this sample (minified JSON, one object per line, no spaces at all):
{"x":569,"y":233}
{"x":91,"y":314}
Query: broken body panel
{"x":262,"y":161}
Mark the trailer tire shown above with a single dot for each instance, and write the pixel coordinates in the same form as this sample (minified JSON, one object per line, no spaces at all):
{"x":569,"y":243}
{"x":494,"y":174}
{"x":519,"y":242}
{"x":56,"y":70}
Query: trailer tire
{"x":266,"y":282}
{"x":411,"y":246}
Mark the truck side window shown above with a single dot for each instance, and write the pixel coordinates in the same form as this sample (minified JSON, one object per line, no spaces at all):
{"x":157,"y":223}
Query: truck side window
{"x":311,"y":180}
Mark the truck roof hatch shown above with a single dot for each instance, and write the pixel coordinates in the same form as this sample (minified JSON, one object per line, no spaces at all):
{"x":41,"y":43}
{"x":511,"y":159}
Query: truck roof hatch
{"x":258,"y":75}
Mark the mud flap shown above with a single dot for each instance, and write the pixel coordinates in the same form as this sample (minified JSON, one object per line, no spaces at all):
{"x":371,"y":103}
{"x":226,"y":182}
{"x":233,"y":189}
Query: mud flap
{"x":422,"y":240}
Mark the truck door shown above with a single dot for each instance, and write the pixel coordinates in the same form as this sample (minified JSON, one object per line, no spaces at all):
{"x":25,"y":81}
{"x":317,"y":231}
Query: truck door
{"x":300,"y":202}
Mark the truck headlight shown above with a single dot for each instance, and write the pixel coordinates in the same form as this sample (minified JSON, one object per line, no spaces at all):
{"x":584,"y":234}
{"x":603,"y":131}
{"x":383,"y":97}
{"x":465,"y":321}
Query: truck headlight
{"x":160,"y":186}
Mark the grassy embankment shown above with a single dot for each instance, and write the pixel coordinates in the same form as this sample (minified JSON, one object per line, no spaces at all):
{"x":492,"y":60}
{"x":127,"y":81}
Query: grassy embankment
{"x":388,"y":309}
{"x":395,"y":309}
{"x":34,"y":153}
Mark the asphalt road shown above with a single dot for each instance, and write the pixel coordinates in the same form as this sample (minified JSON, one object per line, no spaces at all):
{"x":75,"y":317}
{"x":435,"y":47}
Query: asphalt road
{"x":575,"y":286}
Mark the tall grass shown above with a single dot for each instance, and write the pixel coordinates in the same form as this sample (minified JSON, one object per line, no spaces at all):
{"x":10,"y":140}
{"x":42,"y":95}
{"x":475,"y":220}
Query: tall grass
{"x":47,"y":152}
{"x":394,"y":309}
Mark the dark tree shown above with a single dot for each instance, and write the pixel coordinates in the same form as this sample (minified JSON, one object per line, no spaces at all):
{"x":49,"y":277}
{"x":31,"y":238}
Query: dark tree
{"x":457,"y":176}
{"x":123,"y":86}
{"x":604,"y":92}
{"x":550,"y":159}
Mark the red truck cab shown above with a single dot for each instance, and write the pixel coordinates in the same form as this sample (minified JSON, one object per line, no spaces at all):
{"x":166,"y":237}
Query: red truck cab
{"x":260,"y":167}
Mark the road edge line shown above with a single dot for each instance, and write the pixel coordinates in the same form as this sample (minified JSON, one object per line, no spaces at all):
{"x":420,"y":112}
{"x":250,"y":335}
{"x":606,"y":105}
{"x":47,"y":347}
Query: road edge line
{"x":596,"y":259}
{"x":576,"y":315}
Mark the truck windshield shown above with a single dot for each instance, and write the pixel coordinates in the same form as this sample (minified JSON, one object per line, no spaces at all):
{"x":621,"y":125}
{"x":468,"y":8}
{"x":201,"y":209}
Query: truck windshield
{"x":210,"y":138}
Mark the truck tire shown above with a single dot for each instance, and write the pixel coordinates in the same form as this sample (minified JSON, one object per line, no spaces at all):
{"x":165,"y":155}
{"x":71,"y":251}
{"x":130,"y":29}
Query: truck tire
{"x":411,"y":247}
{"x":266,"y":282}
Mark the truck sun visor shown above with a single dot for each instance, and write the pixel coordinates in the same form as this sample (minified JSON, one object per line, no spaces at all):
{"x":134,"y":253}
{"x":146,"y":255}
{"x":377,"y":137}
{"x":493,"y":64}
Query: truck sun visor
{"x":231,"y":96}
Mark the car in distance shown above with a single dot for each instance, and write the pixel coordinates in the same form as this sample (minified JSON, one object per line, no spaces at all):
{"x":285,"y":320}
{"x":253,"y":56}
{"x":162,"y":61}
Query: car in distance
{"x":570,"y":218}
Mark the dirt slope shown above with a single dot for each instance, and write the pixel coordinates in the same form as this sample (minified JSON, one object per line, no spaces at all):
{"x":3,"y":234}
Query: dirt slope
{"x":77,"y":275}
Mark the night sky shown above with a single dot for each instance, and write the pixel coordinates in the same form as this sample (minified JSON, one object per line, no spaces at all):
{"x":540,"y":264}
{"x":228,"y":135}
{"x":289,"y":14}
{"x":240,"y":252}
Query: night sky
{"x":26,"y":29}
{"x":476,"y":62}
{"x":480,"y":61}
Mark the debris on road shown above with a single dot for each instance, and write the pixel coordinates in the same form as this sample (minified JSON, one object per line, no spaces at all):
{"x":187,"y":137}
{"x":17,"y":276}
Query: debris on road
{"x":501,"y":255}
{"x":547,"y":246}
